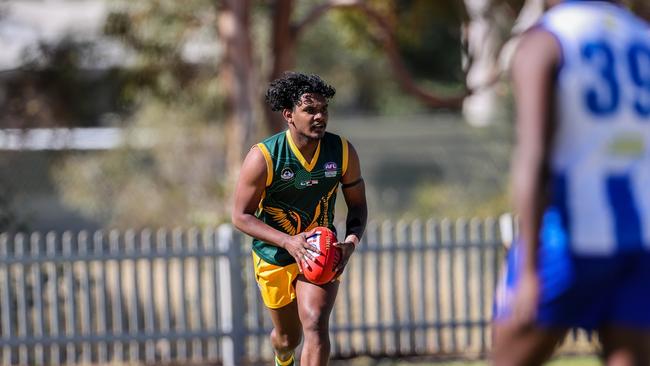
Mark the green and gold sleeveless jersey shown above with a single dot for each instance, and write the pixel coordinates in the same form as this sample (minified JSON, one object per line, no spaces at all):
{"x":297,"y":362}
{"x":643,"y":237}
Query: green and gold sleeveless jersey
{"x":299,"y":195}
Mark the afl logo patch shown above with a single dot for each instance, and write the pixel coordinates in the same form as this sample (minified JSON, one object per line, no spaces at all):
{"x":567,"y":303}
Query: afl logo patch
{"x":330,"y":169}
{"x":286,"y":174}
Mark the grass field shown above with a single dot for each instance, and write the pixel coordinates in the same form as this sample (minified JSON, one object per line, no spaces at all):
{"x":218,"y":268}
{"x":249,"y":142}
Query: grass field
{"x":560,"y":361}
{"x":430,"y":164}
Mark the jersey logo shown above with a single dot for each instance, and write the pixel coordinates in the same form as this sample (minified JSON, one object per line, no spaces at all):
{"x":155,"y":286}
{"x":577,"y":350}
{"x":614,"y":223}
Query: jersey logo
{"x":308,"y":183}
{"x":304,"y":179}
{"x":286,"y":174}
{"x":292,"y":222}
{"x":288,"y":220}
{"x":330,"y":169}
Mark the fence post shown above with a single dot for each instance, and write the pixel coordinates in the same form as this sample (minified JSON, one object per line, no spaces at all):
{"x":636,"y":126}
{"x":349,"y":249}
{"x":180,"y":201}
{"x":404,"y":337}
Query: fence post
{"x":507,"y":229}
{"x":232,"y":302}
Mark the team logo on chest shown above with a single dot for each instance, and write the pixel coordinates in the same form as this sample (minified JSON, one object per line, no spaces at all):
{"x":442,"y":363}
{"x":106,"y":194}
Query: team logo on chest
{"x":286,"y":173}
{"x":330,"y":169}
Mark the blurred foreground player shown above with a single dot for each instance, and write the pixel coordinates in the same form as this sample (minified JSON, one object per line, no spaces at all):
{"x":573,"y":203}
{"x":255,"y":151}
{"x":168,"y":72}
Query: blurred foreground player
{"x":287,"y":187}
{"x":581,"y":171}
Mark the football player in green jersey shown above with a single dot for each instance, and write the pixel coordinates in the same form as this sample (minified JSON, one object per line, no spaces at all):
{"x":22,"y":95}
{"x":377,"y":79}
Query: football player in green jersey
{"x":287,"y":187}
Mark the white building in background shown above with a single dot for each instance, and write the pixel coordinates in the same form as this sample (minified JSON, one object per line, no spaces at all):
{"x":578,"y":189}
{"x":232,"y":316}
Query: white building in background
{"x":25,"y":24}
{"x":67,"y":139}
{"x":44,"y":139}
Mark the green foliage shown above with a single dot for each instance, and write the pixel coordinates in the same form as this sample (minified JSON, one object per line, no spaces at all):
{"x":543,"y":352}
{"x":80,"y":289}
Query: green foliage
{"x":363,"y":80}
{"x":157,"y":29}
{"x":53,"y":89}
{"x":366,"y":361}
{"x":344,"y":47}
{"x":178,"y":104}
{"x":170,"y":171}
{"x":157,"y":32}
{"x":431,"y":43}
{"x":9,"y":219}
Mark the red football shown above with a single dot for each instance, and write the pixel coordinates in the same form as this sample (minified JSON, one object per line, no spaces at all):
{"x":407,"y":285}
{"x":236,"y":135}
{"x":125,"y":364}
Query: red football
{"x":326,"y":256}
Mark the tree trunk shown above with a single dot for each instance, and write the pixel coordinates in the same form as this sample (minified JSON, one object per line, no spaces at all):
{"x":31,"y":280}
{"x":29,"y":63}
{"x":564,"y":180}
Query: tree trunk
{"x":483,"y":43}
{"x":285,"y":35}
{"x":386,"y":36}
{"x":484,"y":36}
{"x":283,"y":43}
{"x":489,"y":51}
{"x":237,"y":77}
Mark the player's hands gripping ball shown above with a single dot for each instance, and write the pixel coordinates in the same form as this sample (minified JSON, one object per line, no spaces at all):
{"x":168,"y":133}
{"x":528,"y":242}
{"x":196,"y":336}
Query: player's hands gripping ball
{"x":325,"y":256}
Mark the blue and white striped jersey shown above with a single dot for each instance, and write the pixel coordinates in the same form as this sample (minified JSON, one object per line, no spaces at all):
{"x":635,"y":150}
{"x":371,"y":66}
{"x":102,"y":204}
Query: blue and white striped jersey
{"x":601,"y":152}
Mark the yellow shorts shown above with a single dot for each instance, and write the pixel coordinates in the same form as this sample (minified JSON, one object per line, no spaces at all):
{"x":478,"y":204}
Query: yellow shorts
{"x":276,"y":283}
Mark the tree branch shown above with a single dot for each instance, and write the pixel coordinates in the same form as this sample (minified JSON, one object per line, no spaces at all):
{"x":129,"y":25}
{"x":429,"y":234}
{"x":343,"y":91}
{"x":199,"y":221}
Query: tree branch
{"x":319,"y":10}
{"x":389,"y":44}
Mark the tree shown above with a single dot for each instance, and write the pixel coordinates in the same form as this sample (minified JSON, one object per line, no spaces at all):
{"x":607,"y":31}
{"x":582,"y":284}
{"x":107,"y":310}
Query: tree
{"x":171,"y":168}
{"x":487,"y":29}
{"x":203,"y":115}
{"x":238,"y":76}
{"x":487,"y":26}
{"x":286,"y":32}
{"x":31,"y":97}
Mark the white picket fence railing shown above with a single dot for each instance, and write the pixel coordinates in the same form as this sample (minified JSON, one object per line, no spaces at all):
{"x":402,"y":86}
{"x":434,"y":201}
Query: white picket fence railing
{"x":411,"y":289}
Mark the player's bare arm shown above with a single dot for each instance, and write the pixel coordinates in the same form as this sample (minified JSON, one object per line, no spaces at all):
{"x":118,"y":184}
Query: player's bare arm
{"x":533,"y":72}
{"x":248,"y":193}
{"x":354,"y":192}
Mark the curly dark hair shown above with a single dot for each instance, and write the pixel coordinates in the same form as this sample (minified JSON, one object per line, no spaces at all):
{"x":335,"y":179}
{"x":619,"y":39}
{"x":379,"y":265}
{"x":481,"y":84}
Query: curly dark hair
{"x":286,"y":91}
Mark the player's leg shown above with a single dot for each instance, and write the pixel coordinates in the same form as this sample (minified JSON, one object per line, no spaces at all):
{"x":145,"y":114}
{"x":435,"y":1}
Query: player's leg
{"x":523,"y":345}
{"x":286,"y":333}
{"x":516,"y":343}
{"x":315,"y":304}
{"x":626,"y":337}
{"x":625,"y":347}
{"x":277,"y":287}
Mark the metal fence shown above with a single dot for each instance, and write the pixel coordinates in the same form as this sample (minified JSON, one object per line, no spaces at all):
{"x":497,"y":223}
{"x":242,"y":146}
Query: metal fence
{"x":411,"y":288}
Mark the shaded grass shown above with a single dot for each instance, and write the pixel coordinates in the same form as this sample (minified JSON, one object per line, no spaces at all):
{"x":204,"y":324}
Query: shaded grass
{"x":558,"y":361}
